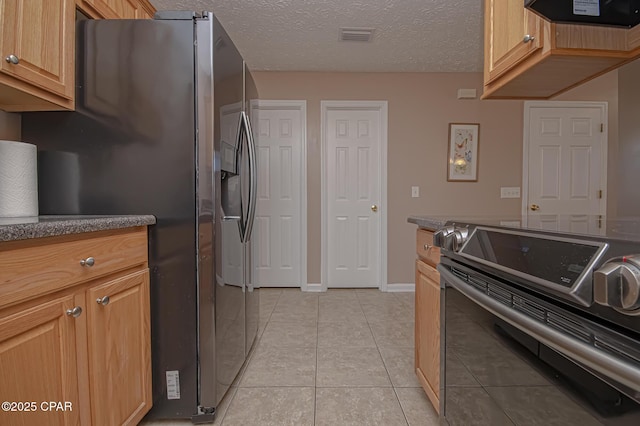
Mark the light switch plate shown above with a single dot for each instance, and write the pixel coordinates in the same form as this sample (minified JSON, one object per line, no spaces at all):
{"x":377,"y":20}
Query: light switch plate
{"x":510,"y":192}
{"x":415,"y":191}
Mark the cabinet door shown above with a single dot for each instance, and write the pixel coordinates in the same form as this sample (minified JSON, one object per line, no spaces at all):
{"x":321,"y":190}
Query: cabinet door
{"x":146,"y":10}
{"x":428,"y":329}
{"x":39,"y":34}
{"x":116,"y":9}
{"x":38,"y":365}
{"x":119,"y":350}
{"x":507,"y":23}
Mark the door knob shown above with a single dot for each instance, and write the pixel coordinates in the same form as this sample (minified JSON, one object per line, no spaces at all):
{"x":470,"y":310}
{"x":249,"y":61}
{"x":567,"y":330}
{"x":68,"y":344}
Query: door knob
{"x":534,"y":207}
{"x":374,"y":208}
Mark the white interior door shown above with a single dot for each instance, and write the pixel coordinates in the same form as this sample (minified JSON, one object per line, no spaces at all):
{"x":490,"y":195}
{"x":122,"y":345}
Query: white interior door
{"x":279,"y":256}
{"x":567,"y":150}
{"x":353,"y":193}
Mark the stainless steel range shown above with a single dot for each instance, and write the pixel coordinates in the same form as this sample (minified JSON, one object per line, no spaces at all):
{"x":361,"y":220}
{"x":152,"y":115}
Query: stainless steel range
{"x":539,"y":327}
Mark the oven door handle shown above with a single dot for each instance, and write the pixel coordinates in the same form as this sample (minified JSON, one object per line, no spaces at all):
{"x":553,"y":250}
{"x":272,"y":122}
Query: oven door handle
{"x":602,"y":363}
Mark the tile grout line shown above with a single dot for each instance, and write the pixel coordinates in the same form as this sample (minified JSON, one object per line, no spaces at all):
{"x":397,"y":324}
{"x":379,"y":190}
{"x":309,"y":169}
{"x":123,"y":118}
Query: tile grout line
{"x":315,"y":381}
{"x":248,"y":360}
{"x":404,"y":415}
{"x":395,"y":389}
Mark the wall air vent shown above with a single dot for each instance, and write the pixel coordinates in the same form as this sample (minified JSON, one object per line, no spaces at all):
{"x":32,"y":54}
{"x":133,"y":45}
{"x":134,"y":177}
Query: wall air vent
{"x":356,"y":34}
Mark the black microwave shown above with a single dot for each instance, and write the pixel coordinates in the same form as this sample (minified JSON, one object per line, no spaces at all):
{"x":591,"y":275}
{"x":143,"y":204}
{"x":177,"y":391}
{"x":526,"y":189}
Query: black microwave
{"x":619,"y":13}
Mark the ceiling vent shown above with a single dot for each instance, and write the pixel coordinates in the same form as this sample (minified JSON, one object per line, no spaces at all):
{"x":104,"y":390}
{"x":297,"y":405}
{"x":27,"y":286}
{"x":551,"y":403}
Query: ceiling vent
{"x":356,"y":34}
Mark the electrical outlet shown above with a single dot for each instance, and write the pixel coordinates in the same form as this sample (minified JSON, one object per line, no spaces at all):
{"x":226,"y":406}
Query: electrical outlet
{"x":415,"y":191}
{"x":510,"y":192}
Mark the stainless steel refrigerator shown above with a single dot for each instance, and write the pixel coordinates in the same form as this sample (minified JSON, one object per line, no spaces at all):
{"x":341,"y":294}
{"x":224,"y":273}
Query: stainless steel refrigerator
{"x":161,"y":127}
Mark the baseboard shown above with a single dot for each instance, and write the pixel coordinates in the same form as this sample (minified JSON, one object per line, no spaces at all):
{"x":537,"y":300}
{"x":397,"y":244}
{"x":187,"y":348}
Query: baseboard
{"x":391,"y":288}
{"x":401,"y":287}
{"x":314,"y":287}
{"x":278,"y":286}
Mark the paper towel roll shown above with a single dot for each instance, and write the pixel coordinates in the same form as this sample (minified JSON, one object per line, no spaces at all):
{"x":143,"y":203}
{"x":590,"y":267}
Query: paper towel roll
{"x":18,"y":179}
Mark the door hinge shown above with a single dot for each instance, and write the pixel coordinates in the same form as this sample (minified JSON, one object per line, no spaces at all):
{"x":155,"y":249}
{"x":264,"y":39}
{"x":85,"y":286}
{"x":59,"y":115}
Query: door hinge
{"x":601,"y":127}
{"x":600,"y":194}
{"x":599,"y":221}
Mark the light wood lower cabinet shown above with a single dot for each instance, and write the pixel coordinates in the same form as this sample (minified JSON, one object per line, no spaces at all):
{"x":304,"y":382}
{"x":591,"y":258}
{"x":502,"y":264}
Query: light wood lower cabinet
{"x":119,"y":355}
{"x":38,"y":364}
{"x":427,"y":321}
{"x":86,"y":345}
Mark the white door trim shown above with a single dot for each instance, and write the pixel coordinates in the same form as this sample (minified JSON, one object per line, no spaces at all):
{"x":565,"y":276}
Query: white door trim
{"x":382,"y":106}
{"x":528,"y":105}
{"x":302,"y":107}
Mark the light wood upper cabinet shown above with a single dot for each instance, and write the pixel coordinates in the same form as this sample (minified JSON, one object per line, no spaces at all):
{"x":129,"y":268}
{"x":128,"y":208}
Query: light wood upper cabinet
{"x":506,"y":45}
{"x":120,"y":356}
{"x":38,"y":363}
{"x":37,"y":48}
{"x":117,"y":9}
{"x":553,"y":58}
{"x":37,"y":39}
{"x":147,"y":12}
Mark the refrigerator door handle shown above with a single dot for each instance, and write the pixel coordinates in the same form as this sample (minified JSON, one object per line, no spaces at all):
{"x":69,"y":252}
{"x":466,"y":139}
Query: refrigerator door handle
{"x":253,"y":177}
{"x":242,"y":227}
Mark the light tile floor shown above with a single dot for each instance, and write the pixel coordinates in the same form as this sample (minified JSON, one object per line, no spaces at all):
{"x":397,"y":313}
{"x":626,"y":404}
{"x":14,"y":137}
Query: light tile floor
{"x":344,"y":357}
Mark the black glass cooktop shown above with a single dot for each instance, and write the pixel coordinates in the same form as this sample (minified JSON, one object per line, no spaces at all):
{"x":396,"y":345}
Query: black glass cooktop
{"x":619,"y":228}
{"x":557,"y":261}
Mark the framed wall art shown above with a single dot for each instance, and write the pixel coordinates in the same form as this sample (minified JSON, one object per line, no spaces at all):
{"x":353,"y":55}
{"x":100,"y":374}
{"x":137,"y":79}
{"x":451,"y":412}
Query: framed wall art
{"x":463,"y":152}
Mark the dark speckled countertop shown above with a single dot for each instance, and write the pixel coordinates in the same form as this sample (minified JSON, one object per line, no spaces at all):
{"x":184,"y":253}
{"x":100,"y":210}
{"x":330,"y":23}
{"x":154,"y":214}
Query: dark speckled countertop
{"x":12,"y":229}
{"x":432,"y":223}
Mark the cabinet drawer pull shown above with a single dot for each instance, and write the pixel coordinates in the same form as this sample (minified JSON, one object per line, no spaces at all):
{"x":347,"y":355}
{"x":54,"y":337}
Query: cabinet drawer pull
{"x":12,"y":59}
{"x":104,"y":301}
{"x":75,"y":312}
{"x":528,"y":38}
{"x":428,"y":247}
{"x":88,"y":262}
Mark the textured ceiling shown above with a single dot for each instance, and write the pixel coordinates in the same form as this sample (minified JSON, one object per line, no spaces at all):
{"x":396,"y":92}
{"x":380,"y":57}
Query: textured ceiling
{"x":302,"y":35}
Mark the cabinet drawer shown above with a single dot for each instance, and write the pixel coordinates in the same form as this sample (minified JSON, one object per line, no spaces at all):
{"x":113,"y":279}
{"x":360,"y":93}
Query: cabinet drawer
{"x":36,"y":267}
{"x":428,"y":271}
{"x":425,"y":248}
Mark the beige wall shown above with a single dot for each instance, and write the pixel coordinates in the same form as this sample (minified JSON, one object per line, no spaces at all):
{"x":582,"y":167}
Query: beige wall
{"x":420,"y":107}
{"x":9,"y":126}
